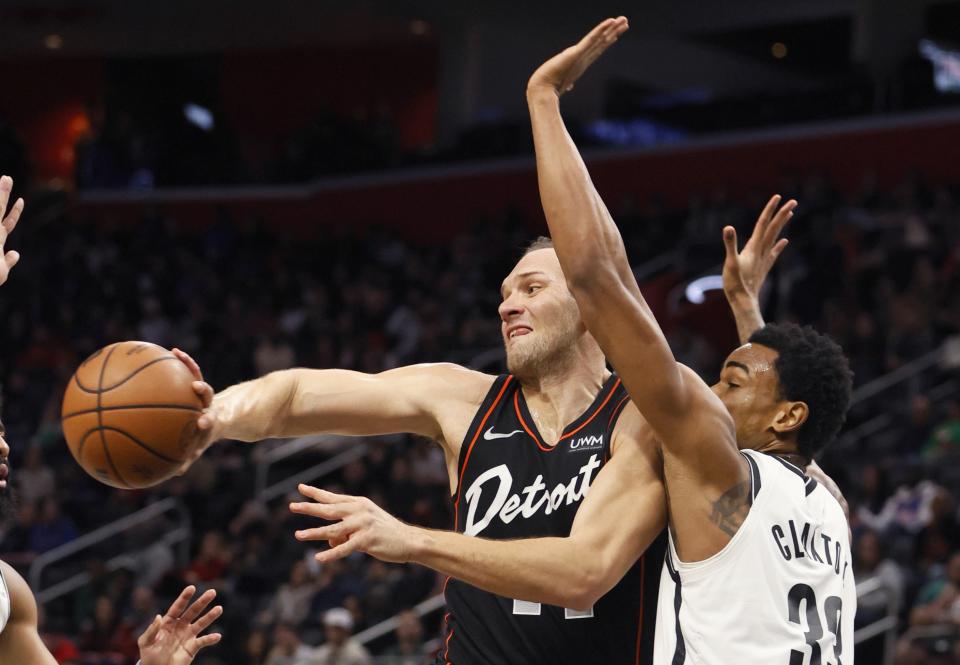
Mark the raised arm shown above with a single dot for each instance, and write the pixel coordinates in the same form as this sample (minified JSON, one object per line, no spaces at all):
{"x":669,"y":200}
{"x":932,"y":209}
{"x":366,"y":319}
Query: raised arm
{"x":744,"y":271}
{"x":622,"y":514}
{"x":591,"y":250}
{"x":436,"y":401}
{"x":706,"y":479}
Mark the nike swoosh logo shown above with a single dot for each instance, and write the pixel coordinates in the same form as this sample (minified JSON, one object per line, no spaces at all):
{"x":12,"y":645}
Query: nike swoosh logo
{"x":490,"y":435}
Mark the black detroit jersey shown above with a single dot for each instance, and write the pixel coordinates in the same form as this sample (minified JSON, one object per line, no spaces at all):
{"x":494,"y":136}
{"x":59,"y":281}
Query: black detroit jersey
{"x":512,"y":485}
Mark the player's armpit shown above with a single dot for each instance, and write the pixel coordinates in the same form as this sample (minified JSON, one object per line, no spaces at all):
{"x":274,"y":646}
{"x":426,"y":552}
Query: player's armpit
{"x":20,"y":642}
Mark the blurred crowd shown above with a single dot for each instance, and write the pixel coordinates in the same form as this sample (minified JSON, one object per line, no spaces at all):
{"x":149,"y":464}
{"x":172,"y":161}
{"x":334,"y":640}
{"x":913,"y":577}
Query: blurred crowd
{"x":876,"y":268}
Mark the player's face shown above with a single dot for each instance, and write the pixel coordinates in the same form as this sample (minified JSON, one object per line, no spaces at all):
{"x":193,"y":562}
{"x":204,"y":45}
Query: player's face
{"x":539,"y":317}
{"x":750,"y":389}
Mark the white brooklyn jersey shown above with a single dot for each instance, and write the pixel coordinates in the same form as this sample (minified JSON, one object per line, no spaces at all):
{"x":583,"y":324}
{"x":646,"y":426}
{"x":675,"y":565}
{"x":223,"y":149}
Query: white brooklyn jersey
{"x":4,"y":602}
{"x":780,"y":593}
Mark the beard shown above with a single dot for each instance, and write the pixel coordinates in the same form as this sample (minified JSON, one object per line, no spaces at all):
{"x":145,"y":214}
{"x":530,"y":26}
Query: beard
{"x":543,"y":352}
{"x":8,"y":503}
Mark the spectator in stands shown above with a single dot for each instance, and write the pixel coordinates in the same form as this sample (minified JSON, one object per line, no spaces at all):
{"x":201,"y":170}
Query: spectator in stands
{"x":143,"y":608}
{"x":273,"y":353}
{"x":255,"y":648}
{"x":340,"y":648}
{"x":944,"y":443}
{"x":51,"y":528}
{"x":105,"y":636}
{"x":287,"y":648}
{"x":291,"y":603}
{"x":409,"y":649}
{"x":35,"y":480}
{"x":871,"y":563}
{"x":211,"y":562}
{"x":934,"y":634}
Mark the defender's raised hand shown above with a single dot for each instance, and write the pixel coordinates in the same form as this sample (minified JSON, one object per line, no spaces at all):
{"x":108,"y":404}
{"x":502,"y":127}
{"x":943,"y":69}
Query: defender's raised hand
{"x":174,"y":638}
{"x":359,"y":525}
{"x":561,"y":72}
{"x":745,"y":270}
{"x":7,"y":225}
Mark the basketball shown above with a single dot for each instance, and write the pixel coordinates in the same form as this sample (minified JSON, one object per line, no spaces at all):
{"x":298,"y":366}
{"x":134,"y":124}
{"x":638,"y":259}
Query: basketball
{"x":128,"y":412}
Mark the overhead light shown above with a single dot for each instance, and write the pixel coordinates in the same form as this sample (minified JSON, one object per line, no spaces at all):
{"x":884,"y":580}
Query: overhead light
{"x":199,"y":116}
{"x":778,"y":50}
{"x":697,"y":289}
{"x":419,"y":27}
{"x":53,"y":42}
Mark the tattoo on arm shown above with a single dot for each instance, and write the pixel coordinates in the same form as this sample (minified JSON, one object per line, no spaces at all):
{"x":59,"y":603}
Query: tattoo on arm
{"x":731,"y":509}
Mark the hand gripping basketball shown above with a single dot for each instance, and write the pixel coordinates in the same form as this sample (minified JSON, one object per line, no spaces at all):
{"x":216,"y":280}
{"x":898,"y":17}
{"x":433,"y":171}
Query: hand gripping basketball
{"x":206,"y":431}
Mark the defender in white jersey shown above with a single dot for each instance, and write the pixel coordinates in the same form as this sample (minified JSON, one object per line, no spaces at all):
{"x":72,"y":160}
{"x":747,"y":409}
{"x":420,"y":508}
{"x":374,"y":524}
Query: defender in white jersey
{"x":173,"y":639}
{"x":788,"y":569}
{"x":754,"y":584}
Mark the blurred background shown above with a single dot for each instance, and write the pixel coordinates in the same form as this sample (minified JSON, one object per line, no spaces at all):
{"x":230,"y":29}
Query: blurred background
{"x":294,"y":183}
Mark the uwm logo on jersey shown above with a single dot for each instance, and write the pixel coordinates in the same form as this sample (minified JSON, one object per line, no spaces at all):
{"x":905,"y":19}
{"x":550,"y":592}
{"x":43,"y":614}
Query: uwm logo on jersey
{"x":587,"y":443}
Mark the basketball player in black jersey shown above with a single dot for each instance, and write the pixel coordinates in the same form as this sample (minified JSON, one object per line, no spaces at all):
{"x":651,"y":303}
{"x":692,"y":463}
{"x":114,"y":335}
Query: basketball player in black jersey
{"x":169,"y":640}
{"x":521,"y":451}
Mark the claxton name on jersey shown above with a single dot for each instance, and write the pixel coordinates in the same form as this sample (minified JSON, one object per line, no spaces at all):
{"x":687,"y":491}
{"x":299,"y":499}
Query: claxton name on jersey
{"x":536,"y":495}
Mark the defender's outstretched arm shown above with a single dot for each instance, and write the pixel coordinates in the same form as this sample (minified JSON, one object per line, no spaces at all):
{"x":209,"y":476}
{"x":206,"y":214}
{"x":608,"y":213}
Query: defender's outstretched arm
{"x":704,"y":473}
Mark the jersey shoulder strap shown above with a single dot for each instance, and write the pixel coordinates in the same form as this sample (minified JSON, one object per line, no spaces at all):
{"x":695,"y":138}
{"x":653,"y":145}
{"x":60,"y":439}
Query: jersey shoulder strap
{"x":502,"y":386}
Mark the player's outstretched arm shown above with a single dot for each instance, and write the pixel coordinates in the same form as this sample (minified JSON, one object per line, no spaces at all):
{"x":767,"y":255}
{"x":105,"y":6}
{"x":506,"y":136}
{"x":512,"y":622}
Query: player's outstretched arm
{"x":8,"y":223}
{"x":744,"y":271}
{"x":705,"y":476}
{"x":432,"y":400}
{"x":174,"y":638}
{"x":623,"y":513}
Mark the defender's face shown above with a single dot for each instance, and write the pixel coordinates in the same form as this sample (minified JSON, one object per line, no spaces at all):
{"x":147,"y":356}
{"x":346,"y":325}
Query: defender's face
{"x":538,"y":314}
{"x":750,"y":389}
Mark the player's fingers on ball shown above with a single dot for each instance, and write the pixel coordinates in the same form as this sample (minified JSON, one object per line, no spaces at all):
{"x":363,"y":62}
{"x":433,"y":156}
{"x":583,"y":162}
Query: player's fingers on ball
{"x":191,"y":364}
{"x":206,"y":641}
{"x":205,"y":391}
{"x":199,"y":605}
{"x":206,"y":620}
